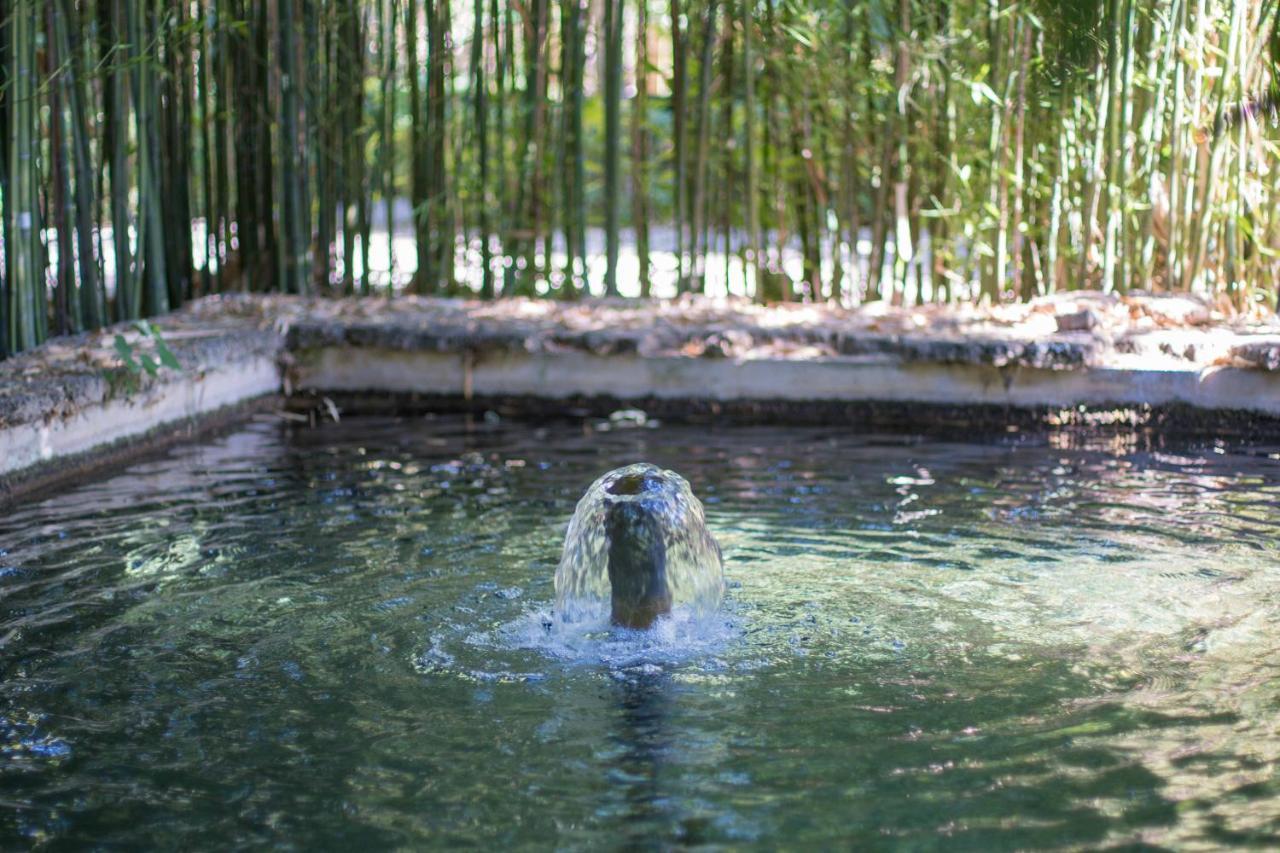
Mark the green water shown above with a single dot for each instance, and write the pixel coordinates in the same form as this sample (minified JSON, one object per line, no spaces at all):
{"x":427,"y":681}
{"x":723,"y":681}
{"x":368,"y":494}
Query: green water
{"x":343,"y":637}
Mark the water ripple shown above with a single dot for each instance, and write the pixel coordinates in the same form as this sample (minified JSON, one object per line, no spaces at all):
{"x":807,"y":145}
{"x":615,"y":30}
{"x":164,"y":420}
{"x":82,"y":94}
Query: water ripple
{"x":293,"y":638}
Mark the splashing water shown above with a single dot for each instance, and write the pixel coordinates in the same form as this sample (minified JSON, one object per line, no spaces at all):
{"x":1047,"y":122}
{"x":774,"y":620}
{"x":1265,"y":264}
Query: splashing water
{"x":630,"y":519}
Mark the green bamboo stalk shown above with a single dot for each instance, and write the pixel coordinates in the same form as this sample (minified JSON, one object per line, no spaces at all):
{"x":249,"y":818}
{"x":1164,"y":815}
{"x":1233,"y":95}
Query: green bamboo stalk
{"x":92,"y":308}
{"x":1154,"y":136}
{"x":305,"y":117}
{"x":128,"y":301}
{"x":417,"y":143}
{"x":573,"y":38}
{"x":1057,"y":201}
{"x":357,"y":217}
{"x":531,"y":188}
{"x":1192,"y":165}
{"x":679,"y":85}
{"x":319,"y":120}
{"x":504,"y":52}
{"x":346,"y":143}
{"x":1227,"y":88}
{"x":25,"y":276}
{"x":430,"y":257}
{"x":698,"y":217}
{"x":1177,"y":138}
{"x":293,"y":166}
{"x":579,"y":200}
{"x":387,"y":44}
{"x":155,"y":290}
{"x":941,"y":194}
{"x":993,"y":268}
{"x":222,"y":148}
{"x":7,"y":231}
{"x":1094,"y":178}
{"x":204,"y":83}
{"x":903,"y":249}
{"x":480,"y":102}
{"x":60,"y":200}
{"x":751,"y":265}
{"x":453,"y":214}
{"x":806,"y":213}
{"x":1019,"y":275}
{"x":1114,"y":160}
{"x":612,"y":123}
{"x":780,"y":284}
{"x":1119,"y":254}
{"x":6,"y":143}
{"x":725,"y":130}
{"x":176,"y":178}
{"x":880,"y":218}
{"x":640,"y":148}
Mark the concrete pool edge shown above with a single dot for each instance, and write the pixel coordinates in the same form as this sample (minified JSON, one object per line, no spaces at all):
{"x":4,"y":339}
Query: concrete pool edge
{"x":856,"y":392}
{"x":69,"y":407}
{"x":73,"y":406}
{"x":59,"y":471}
{"x":36,"y":455}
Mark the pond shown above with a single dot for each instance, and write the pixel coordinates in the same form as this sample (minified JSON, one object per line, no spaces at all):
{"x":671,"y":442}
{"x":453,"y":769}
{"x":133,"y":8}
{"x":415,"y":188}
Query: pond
{"x":344,"y":635}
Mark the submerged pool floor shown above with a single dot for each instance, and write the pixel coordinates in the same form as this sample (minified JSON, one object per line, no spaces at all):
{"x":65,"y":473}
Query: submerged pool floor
{"x":344,"y":636}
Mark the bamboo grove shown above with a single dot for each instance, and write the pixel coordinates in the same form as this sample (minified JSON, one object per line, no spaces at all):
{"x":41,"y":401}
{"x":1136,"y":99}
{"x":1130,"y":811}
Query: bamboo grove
{"x":844,"y":150}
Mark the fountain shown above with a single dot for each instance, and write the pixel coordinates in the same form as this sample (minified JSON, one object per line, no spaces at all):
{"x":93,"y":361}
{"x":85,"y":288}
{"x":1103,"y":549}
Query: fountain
{"x":638,"y":543}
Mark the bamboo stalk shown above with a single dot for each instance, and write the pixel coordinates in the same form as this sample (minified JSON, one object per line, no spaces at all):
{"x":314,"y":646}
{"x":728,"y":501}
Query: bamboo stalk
{"x":573,"y":41}
{"x":750,"y":269}
{"x":66,"y":302}
{"x":92,"y":307}
{"x":25,"y":273}
{"x":640,"y":148}
{"x":480,"y":100}
{"x":698,"y":217}
{"x":679,"y":84}
{"x":612,"y":125}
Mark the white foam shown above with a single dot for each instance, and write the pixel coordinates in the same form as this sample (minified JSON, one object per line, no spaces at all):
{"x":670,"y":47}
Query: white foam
{"x":535,"y":645}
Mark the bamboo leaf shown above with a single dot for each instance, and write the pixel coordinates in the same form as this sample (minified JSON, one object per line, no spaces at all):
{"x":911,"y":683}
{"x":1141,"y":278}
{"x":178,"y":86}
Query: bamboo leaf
{"x":166,"y":356}
{"x":125,"y":352}
{"x":982,"y":92}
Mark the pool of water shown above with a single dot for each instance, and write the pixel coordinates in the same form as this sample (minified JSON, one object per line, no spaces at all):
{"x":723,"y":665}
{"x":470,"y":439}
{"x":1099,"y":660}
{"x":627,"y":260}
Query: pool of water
{"x":345,"y":636}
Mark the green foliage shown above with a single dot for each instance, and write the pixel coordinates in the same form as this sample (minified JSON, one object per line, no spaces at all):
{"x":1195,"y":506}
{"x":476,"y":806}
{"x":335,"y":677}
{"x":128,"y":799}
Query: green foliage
{"x":901,"y":149}
{"x":137,"y":362}
{"x":1074,"y":38}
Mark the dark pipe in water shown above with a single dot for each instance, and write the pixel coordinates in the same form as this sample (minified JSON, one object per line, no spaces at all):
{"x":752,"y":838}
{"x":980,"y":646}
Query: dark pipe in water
{"x":637,"y":554}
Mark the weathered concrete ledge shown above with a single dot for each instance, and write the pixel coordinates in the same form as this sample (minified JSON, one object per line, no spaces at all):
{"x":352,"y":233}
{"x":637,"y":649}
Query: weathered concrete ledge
{"x":1155,"y":360}
{"x":575,"y":378}
{"x":1078,"y":358}
{"x":73,"y":405}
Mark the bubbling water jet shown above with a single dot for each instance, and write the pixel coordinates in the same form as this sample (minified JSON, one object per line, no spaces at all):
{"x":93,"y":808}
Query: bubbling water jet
{"x":638,"y":543}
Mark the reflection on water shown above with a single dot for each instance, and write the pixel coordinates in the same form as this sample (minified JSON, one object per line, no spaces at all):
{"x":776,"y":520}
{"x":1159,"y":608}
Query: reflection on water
{"x":344,"y":636}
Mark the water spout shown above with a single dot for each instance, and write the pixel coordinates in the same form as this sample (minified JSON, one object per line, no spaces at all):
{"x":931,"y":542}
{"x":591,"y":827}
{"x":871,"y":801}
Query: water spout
{"x":639,"y":543}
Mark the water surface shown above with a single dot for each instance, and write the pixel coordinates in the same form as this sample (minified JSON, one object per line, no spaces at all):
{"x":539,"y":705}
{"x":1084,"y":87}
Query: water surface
{"x":345,"y":636}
